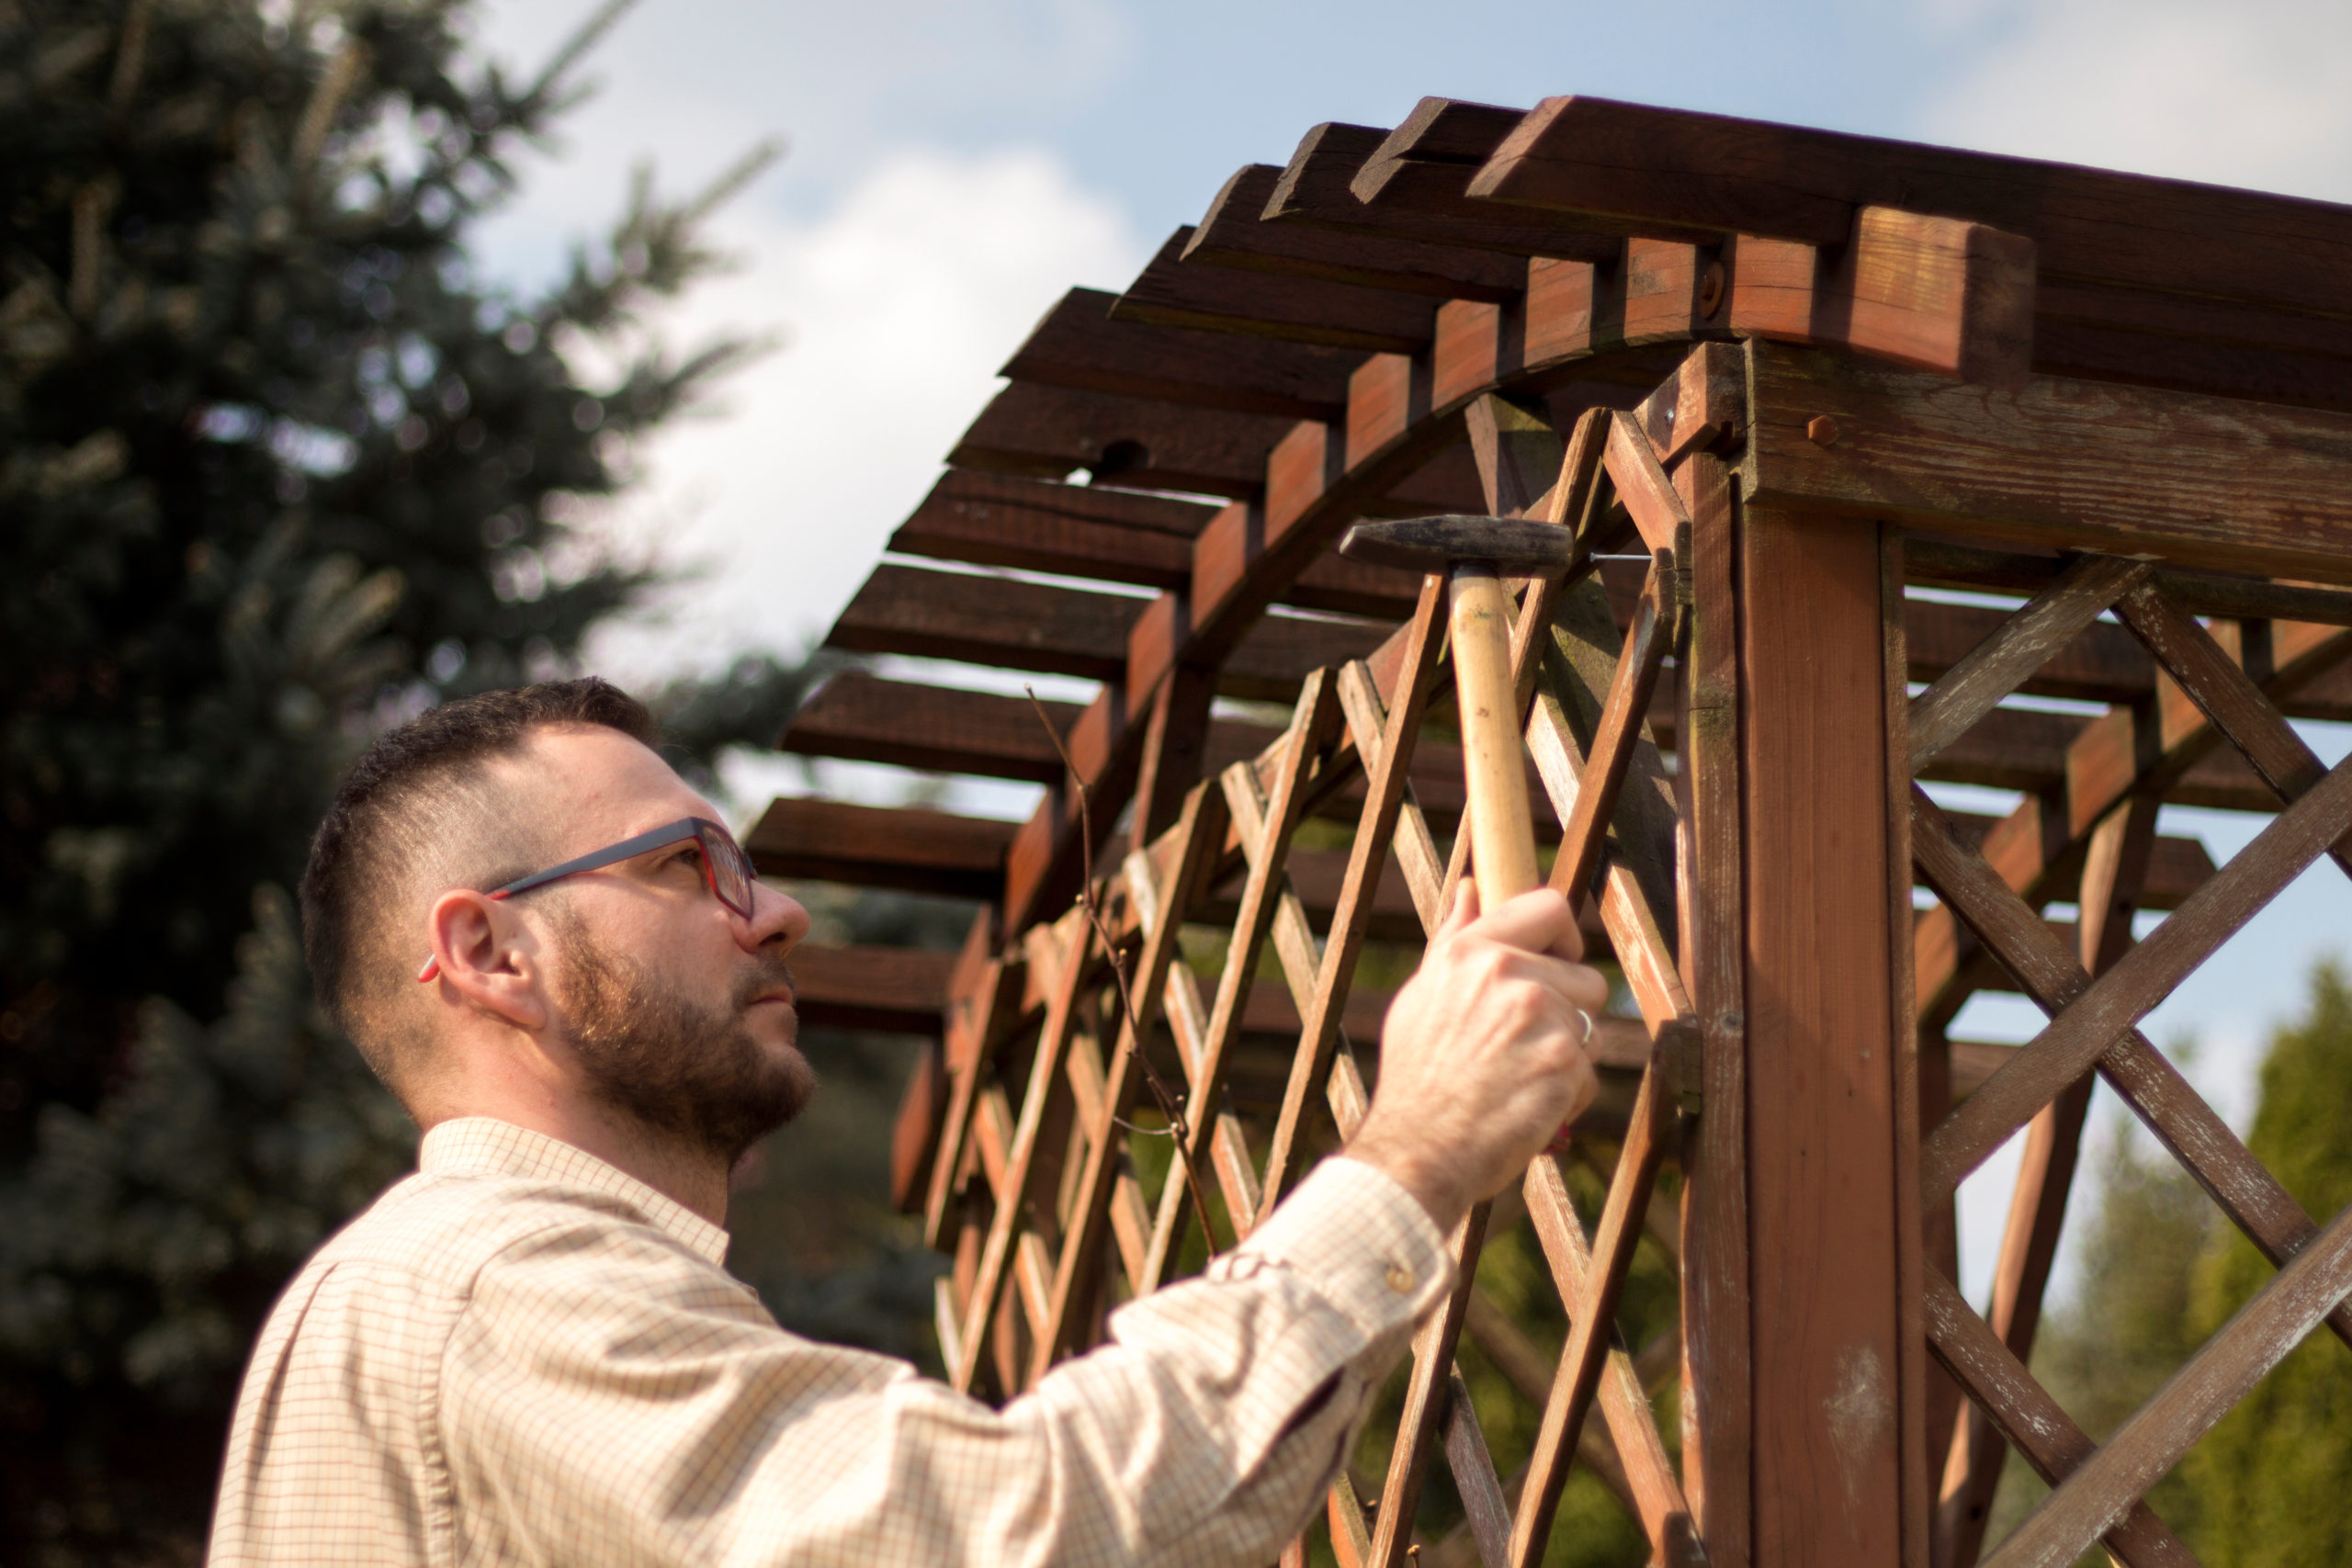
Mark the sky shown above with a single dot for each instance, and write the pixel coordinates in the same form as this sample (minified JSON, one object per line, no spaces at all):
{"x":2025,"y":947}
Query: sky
{"x":954,"y":166}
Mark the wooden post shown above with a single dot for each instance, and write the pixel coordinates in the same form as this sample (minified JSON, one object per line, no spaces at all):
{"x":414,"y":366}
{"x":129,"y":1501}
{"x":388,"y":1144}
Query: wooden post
{"x":1819,"y":993}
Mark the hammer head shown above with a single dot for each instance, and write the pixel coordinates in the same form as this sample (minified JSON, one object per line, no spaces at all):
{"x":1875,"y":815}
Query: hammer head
{"x":1515,"y":546}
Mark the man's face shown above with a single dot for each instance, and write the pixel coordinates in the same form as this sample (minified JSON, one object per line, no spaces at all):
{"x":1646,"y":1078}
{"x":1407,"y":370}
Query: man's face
{"x":679,"y":1011}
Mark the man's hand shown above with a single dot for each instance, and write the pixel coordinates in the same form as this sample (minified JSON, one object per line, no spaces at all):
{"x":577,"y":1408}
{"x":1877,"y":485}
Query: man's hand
{"x":1483,"y":1056}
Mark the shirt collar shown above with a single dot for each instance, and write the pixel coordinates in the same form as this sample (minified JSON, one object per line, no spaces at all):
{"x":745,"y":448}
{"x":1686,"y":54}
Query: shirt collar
{"x":483,"y":1144}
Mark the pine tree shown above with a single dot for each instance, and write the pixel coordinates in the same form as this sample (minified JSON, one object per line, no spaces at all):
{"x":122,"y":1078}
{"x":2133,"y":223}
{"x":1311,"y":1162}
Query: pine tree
{"x":2271,"y":1479}
{"x":276,"y":469}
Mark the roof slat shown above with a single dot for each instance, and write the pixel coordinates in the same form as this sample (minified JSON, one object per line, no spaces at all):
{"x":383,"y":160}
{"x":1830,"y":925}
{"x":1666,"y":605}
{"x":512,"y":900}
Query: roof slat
{"x":1077,"y":344}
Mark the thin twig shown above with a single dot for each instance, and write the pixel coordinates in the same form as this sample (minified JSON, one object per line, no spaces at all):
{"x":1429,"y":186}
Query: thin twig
{"x":1169,"y":1107}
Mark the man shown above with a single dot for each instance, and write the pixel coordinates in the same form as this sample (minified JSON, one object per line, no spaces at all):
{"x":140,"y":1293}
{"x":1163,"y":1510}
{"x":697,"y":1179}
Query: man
{"x":528,"y":1350}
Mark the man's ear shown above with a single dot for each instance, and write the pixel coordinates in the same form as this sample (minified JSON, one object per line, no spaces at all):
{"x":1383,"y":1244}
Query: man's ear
{"x":488,"y":957}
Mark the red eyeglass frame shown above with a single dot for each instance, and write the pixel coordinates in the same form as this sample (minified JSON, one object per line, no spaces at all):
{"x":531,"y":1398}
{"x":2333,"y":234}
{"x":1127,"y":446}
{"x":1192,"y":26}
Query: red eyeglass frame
{"x":718,"y":846}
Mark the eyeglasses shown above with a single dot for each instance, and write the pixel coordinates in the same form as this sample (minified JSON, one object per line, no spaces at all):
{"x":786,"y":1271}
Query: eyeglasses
{"x":724,"y":867}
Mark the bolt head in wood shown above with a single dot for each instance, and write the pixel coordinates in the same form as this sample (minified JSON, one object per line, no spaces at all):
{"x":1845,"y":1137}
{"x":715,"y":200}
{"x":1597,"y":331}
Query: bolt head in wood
{"x":1821,"y":429}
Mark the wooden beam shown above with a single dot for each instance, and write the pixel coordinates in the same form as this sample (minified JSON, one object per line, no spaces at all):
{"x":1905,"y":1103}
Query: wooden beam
{"x":1046,"y":431}
{"x":1170,"y":293}
{"x":906,"y":846}
{"x":1233,"y":233}
{"x":1597,"y":160}
{"x":1078,"y":344}
{"x":2200,"y":481}
{"x":1821,"y":1111}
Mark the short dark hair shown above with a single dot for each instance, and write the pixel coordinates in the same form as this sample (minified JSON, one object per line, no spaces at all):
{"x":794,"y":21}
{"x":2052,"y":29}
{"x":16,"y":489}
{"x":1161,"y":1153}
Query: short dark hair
{"x":402,"y":788}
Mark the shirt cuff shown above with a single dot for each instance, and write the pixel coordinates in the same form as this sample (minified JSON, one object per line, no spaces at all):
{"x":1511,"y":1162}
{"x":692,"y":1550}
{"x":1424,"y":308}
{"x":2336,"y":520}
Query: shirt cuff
{"x":1363,"y":1242}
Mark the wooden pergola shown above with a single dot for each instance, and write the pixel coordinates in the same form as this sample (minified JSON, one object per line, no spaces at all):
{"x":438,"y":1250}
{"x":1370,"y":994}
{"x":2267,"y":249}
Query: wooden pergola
{"x":1859,"y":441}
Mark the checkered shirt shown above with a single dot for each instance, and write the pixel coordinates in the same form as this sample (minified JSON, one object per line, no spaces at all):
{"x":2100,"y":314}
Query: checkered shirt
{"x":521,"y":1355}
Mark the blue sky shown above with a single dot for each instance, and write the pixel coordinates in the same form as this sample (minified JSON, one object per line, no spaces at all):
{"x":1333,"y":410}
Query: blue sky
{"x":956,"y":165}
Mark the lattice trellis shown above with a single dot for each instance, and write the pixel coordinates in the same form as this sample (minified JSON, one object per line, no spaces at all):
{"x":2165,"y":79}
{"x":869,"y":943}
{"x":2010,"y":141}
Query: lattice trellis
{"x":1769,"y":412}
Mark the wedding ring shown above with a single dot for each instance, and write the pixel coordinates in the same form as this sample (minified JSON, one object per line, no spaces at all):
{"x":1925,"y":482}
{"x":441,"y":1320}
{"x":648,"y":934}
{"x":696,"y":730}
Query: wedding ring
{"x":1586,"y":1019}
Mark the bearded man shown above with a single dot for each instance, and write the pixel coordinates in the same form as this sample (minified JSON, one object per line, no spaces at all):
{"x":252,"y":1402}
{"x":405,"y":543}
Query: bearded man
{"x":529,"y":1352}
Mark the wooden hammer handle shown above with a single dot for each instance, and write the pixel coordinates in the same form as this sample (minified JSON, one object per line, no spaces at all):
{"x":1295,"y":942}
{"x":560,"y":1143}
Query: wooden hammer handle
{"x":1502,"y":832}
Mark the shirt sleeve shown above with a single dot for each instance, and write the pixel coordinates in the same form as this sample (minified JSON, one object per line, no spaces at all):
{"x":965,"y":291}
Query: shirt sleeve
{"x":608,"y":1395}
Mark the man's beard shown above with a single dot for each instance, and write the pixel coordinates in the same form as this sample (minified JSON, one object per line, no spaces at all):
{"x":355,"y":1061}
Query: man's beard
{"x":679,"y":1064}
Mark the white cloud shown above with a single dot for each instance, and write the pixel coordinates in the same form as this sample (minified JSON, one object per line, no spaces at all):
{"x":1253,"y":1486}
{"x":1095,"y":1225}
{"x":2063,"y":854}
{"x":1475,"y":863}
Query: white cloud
{"x":899,"y":304}
{"x":2249,"y":94}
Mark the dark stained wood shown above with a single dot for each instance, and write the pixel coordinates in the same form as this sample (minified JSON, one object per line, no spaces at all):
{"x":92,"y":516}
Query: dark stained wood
{"x":901,"y":989}
{"x":869,"y":846}
{"x":2080,"y":465}
{"x":1710,"y":952}
{"x":1078,"y":344}
{"x":1171,"y":292}
{"x":1948,"y":562}
{"x":1314,"y":190}
{"x":1233,"y":233}
{"x":1014,"y":625}
{"x":2096,"y":1021}
{"x":1914,"y":1434}
{"x":865,"y":718}
{"x":2021,"y":645}
{"x":2223,"y":1371}
{"x":1597,"y":160}
{"x":1047,"y":432}
{"x":1438,"y":131}
{"x":1821,"y":1111}
{"x":2039,"y":1426}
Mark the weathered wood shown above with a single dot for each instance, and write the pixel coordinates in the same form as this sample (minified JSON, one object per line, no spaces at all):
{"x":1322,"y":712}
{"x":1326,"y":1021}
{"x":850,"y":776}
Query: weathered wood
{"x":1313,"y":189}
{"x":1613,"y":742}
{"x":1821,"y":1115}
{"x":1010,"y":624}
{"x":2181,"y":1120}
{"x":1913,"y":1435}
{"x":1077,"y":343}
{"x":1942,"y":294}
{"x":1946,"y":562}
{"x":1366,"y":856}
{"x":2220,"y":1374}
{"x":899,"y":990}
{"x":867,"y":846}
{"x":1232,"y":233}
{"x":2080,"y":465}
{"x":1712,"y":941}
{"x":2021,"y":645}
{"x":1047,"y":432}
{"x":1342,"y":316}
{"x":1595,"y":159}
{"x":2035,"y":1423}
{"x":2092,"y":1023}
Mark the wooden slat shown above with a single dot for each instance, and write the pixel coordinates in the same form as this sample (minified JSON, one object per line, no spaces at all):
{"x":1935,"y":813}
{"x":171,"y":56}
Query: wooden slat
{"x":899,"y":988}
{"x":1712,"y":941}
{"x":2092,"y":1023}
{"x":1014,"y":625}
{"x":1342,"y":316}
{"x":2019,"y":646}
{"x":912,"y":848}
{"x":2036,"y":1424}
{"x":1231,"y":233}
{"x":1366,"y":856}
{"x":2221,"y":1373}
{"x":1046,"y":431}
{"x":1943,"y":562}
{"x":2181,"y":1120}
{"x":1590,"y":157}
{"x":1314,"y":190}
{"x":1078,"y":344}
{"x":1112,"y":535}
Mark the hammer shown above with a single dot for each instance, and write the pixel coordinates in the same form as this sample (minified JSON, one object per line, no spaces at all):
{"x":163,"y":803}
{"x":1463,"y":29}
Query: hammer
{"x":1475,"y":553}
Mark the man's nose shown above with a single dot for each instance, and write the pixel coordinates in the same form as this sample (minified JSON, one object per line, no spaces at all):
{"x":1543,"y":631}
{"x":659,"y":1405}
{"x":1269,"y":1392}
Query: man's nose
{"x":775,"y":918}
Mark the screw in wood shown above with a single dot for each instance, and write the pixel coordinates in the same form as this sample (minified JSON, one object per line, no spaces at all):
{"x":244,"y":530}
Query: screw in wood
{"x":1711,"y":289}
{"x":1821,"y":429}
